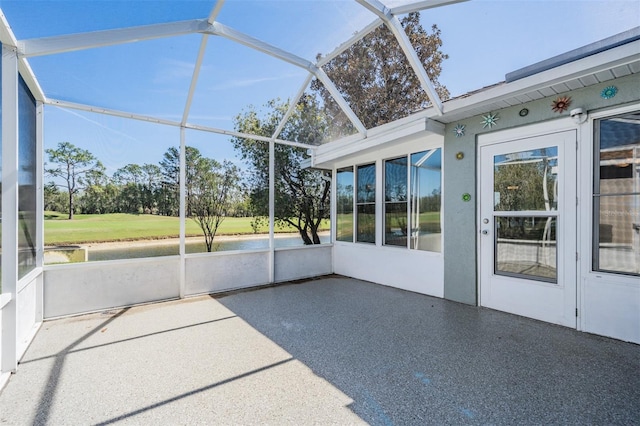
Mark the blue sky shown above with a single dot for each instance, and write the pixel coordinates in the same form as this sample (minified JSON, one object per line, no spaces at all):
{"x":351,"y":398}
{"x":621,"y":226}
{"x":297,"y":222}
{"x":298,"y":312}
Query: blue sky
{"x":485,"y":39}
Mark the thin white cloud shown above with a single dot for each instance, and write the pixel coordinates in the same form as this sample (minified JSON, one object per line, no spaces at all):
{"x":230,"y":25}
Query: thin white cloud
{"x":246,"y":82}
{"x":175,"y":70}
{"x":97,"y":123}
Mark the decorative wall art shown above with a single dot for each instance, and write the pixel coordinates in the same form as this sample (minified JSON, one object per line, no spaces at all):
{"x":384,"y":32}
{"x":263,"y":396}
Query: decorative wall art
{"x":459,"y":130}
{"x":608,"y":92}
{"x":523,"y":112}
{"x":561,"y":104}
{"x":489,"y":120}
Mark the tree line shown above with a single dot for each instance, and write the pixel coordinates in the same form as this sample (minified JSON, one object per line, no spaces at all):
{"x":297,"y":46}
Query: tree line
{"x":83,"y":186}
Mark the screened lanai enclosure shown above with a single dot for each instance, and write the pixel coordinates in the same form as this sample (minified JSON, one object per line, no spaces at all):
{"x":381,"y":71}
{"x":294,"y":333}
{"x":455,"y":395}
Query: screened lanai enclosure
{"x":160,"y":150}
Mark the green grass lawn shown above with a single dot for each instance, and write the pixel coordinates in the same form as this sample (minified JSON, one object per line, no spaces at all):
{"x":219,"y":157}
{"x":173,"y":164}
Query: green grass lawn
{"x":86,"y":228}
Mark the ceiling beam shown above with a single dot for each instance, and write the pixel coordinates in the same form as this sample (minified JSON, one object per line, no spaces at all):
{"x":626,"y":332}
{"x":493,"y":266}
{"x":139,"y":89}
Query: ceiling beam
{"x":253,"y":43}
{"x":196,"y":69}
{"x":292,"y":106}
{"x":111,"y":112}
{"x":392,"y":22}
{"x":7,"y":37}
{"x":150,"y":119}
{"x":90,"y":40}
{"x":350,"y":42}
{"x":229,"y":33}
{"x":337,"y":96}
{"x":248,"y":136}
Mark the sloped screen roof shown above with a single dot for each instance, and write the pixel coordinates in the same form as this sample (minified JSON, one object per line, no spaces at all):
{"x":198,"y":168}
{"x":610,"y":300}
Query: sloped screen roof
{"x":242,"y":54}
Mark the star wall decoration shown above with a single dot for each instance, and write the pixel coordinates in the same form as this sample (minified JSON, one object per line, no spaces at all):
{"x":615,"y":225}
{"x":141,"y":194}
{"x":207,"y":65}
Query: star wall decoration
{"x":608,"y":92}
{"x":489,"y":120}
{"x":561,"y":104}
{"x":459,"y":130}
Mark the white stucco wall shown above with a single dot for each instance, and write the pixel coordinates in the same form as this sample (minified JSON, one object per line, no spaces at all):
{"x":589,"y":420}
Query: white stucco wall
{"x":302,"y":262}
{"x":27,"y":308}
{"x":223,"y":271}
{"x":413,"y":270}
{"x":92,"y":286}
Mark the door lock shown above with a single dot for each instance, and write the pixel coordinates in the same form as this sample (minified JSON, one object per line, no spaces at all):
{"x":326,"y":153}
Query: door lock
{"x":485,"y":231}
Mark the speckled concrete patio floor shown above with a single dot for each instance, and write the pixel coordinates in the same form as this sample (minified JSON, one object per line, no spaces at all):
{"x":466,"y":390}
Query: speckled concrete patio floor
{"x":328,"y":351}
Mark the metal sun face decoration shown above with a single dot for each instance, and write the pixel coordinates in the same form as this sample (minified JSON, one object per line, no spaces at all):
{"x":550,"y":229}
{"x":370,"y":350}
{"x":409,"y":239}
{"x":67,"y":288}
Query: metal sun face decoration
{"x":561,"y":104}
{"x":489,"y":120}
{"x":459,"y":130}
{"x":609,"y":92}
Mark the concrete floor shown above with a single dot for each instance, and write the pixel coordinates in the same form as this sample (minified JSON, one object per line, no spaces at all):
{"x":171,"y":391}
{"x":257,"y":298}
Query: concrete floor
{"x":327,"y":351}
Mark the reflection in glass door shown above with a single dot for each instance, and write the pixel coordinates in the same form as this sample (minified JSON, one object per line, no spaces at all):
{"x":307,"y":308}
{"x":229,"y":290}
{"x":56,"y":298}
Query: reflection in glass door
{"x":616,"y":195}
{"x":525,"y":209}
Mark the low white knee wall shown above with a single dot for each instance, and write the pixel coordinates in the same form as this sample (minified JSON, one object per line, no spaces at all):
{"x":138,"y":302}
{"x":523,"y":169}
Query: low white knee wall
{"x":93,"y":286}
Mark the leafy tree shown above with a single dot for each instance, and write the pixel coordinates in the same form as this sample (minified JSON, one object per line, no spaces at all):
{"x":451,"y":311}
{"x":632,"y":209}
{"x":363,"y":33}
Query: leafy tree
{"x":152,"y":177}
{"x":54,"y":199}
{"x":525,"y":182}
{"x":100,"y":195}
{"x":214,"y":191}
{"x":129,"y":179}
{"x":170,"y":167}
{"x":377,"y":80}
{"x":301,"y":195}
{"x":73,"y":165}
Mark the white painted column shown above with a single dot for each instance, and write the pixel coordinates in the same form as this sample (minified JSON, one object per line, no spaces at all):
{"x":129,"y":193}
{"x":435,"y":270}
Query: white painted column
{"x":272,"y":209}
{"x":379,"y":202}
{"x":183,"y":210}
{"x":9,"y":360}
{"x":39,"y":208}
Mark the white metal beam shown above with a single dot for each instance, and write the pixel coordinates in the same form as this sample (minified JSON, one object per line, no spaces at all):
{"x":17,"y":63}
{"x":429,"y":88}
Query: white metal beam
{"x":253,"y":43}
{"x":394,"y":25}
{"x":112,"y":112}
{"x":183,"y":211}
{"x":7,"y":38}
{"x":337,"y":96}
{"x":292,"y":106}
{"x":229,"y":33}
{"x":194,"y":78}
{"x":149,"y":119}
{"x":422,"y":5}
{"x":246,"y":136}
{"x":272,"y":211}
{"x":73,"y":42}
{"x":10,"y":171}
{"x":29,"y":77}
{"x":215,"y":11}
{"x":39,"y":208}
{"x":196,"y":69}
{"x":350,"y":42}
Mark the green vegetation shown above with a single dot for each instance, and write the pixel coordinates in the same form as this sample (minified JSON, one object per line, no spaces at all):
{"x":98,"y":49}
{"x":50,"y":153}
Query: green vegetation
{"x":85,"y":228}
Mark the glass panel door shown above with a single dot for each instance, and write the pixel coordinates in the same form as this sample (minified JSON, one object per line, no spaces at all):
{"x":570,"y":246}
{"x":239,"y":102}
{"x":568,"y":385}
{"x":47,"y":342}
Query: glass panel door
{"x":527,"y":226}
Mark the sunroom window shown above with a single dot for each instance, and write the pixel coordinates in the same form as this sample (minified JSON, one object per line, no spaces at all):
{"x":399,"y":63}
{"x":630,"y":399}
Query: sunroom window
{"x":616,"y":195}
{"x":395,"y":202}
{"x":344,"y":204}
{"x":413,"y":197}
{"x":366,"y":204}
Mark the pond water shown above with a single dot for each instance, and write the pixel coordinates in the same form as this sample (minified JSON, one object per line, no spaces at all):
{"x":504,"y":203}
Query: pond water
{"x":195,"y":247}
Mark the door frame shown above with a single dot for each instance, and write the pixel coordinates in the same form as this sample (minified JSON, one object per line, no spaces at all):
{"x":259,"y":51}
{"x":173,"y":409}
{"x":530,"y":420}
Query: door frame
{"x":607,"y":302}
{"x":525,"y":132}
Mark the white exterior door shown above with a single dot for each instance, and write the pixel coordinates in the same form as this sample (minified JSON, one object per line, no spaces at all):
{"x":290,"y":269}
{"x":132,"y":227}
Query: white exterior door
{"x":527,"y":240}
